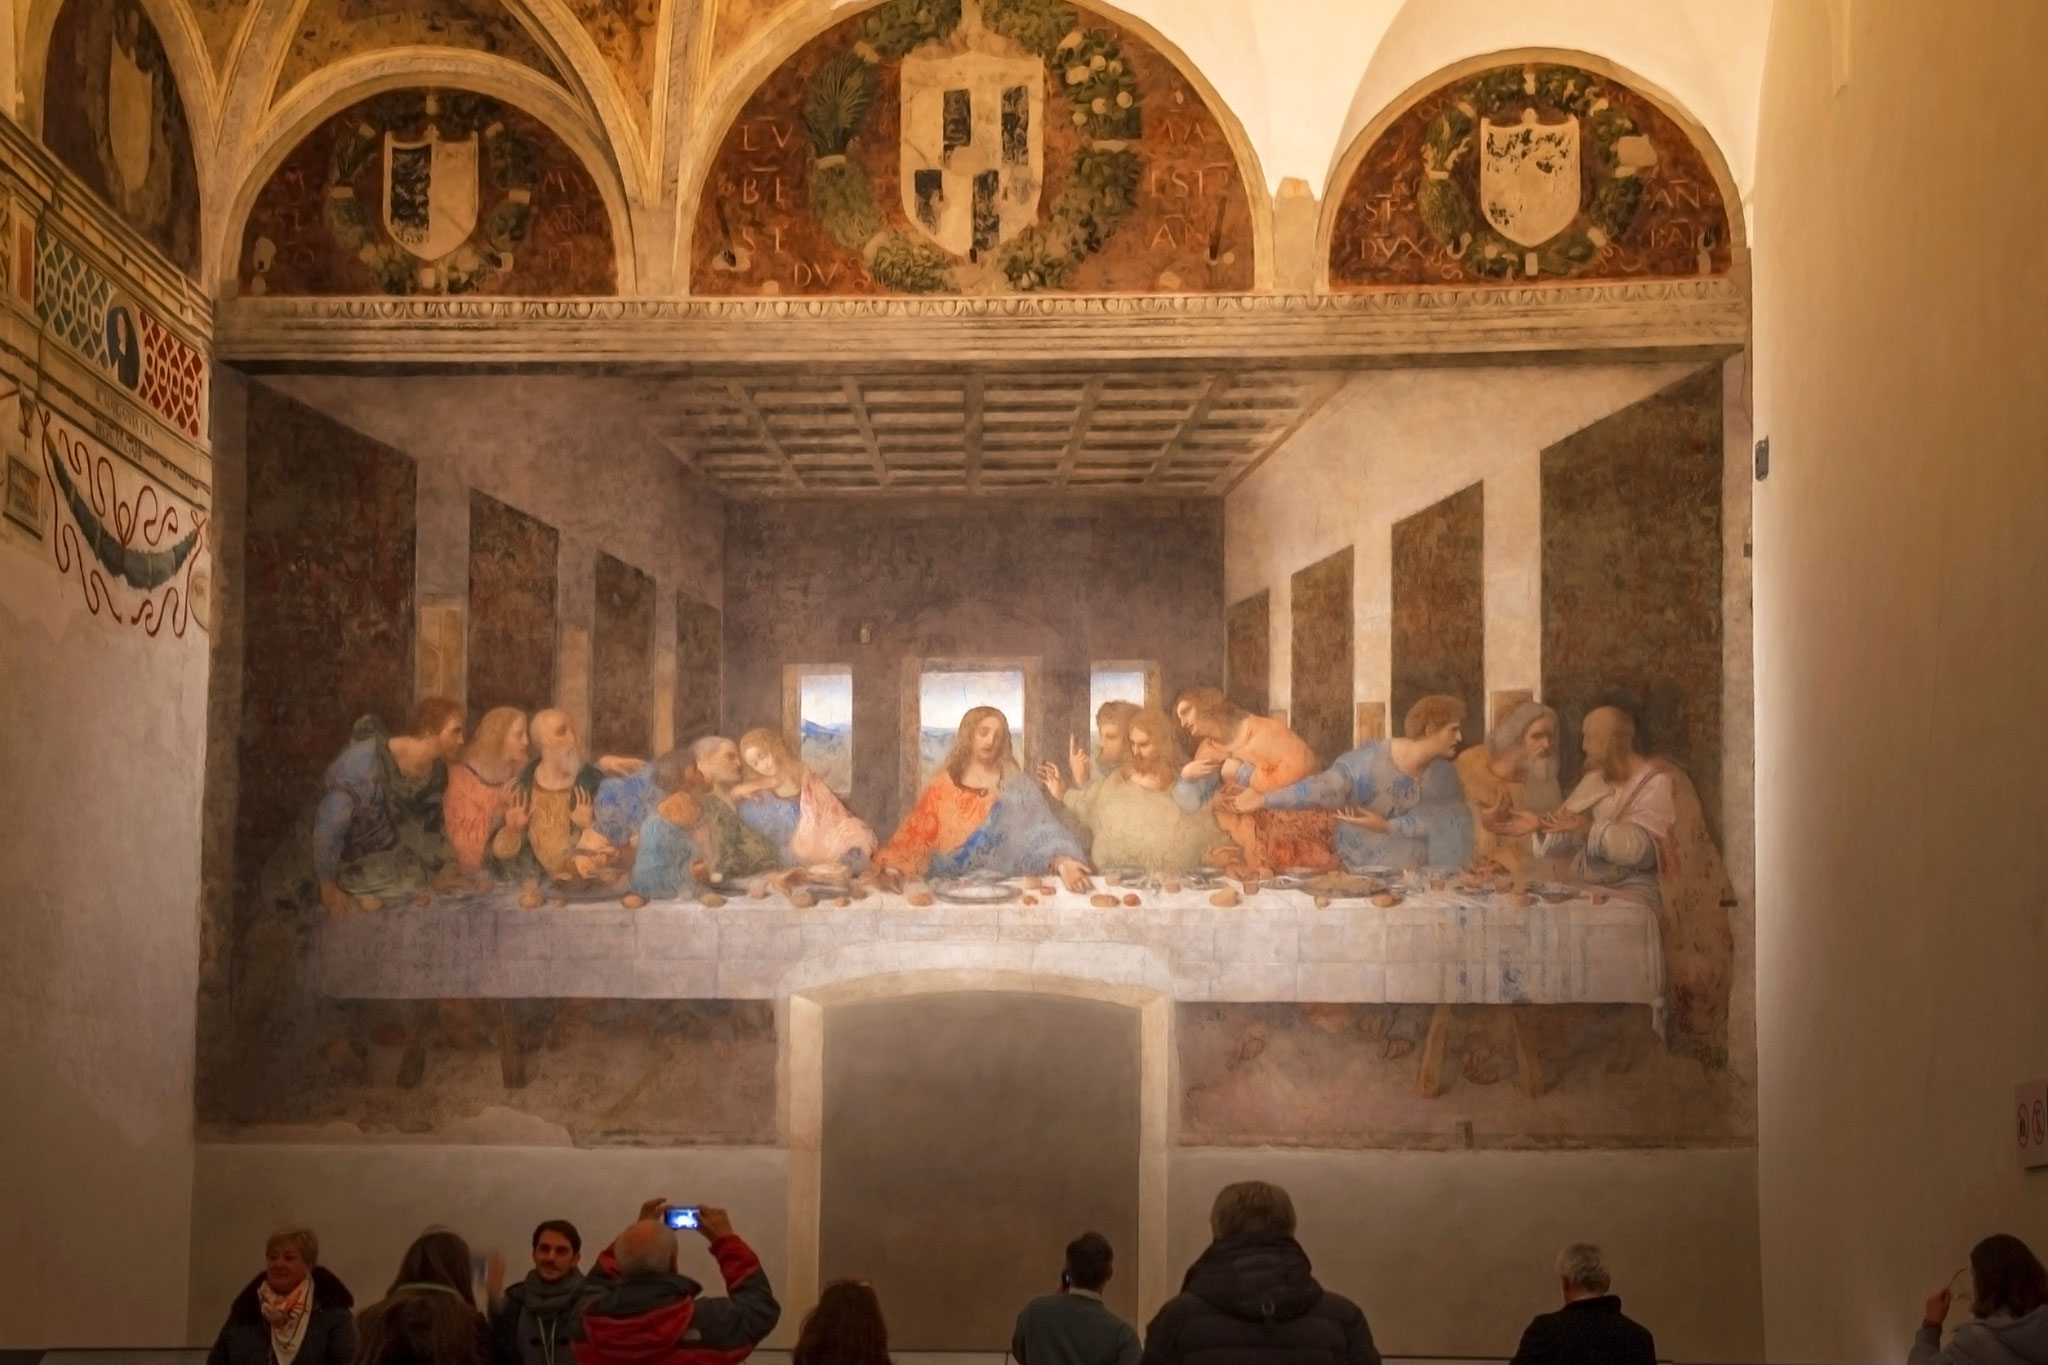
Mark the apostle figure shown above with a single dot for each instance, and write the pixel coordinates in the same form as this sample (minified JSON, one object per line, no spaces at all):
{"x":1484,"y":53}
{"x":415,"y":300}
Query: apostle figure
{"x":630,"y":791}
{"x":793,"y":806}
{"x":1132,"y":817}
{"x":376,"y":830}
{"x":668,"y":857}
{"x":1510,"y":784}
{"x":548,"y":832}
{"x":1112,"y":744}
{"x":480,"y":786}
{"x":1239,"y":753}
{"x":1636,"y":826}
{"x":1399,"y":800}
{"x":732,"y":848}
{"x":981,"y":813}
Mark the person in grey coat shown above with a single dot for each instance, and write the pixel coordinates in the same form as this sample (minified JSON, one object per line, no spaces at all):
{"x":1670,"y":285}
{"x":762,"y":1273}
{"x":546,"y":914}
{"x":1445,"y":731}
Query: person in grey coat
{"x":1074,"y":1326}
{"x":2009,"y":1304}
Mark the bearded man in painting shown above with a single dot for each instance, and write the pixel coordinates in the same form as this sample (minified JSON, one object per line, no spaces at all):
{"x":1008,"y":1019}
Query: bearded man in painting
{"x":733,"y":848}
{"x":1510,"y":784}
{"x":549,"y":828}
{"x":376,"y":830}
{"x":983,"y":814}
{"x":1237,"y":752}
{"x":1131,"y":815}
{"x":1636,"y":827}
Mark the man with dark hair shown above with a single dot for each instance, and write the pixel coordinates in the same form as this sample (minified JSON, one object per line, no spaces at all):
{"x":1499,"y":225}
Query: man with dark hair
{"x":1074,"y":1326}
{"x":1250,"y":1299}
{"x":532,"y":1324}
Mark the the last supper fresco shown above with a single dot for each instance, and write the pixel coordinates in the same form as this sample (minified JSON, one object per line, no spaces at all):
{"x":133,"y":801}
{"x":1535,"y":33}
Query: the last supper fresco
{"x":1500,"y":920}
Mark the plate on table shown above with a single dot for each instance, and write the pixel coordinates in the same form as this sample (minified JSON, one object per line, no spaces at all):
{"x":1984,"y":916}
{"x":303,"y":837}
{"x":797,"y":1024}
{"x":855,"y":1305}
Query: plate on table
{"x":986,"y":889}
{"x":1200,"y":879}
{"x":1344,"y":886}
{"x":1553,"y":893}
{"x":1124,"y":876}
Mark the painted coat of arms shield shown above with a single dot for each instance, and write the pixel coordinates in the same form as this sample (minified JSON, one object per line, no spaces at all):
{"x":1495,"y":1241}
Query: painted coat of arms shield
{"x":972,"y":160}
{"x":131,"y":116}
{"x":430,"y":193}
{"x":1529,"y":177}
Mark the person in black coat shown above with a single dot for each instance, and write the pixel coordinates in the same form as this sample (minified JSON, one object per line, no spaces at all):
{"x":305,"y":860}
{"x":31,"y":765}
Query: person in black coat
{"x":535,"y":1320}
{"x":295,"y":1313}
{"x":1589,"y":1329}
{"x":1251,"y":1300}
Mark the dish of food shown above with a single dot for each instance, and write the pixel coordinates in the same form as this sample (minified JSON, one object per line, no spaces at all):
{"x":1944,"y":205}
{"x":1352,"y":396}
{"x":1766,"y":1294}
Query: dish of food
{"x":1552,"y":893}
{"x":977,"y":890}
{"x":1343,"y":886}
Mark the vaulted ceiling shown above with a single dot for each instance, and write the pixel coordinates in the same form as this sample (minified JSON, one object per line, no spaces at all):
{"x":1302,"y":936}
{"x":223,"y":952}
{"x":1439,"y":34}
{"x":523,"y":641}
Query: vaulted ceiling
{"x":643,"y":89}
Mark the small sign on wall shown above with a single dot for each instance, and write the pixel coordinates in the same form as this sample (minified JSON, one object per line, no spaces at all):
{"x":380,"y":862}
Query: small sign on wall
{"x":2030,"y":1111}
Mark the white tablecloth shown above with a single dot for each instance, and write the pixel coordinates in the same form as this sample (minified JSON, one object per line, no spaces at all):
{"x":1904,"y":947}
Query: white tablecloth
{"x":1432,"y":948}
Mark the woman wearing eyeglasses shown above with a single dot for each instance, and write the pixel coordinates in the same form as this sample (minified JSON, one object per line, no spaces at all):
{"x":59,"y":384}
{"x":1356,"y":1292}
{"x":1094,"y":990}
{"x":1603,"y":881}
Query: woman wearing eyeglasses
{"x":2009,"y":1303}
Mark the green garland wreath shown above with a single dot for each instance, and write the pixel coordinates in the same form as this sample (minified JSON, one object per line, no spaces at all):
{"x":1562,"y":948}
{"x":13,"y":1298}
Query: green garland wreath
{"x":1101,"y":187}
{"x":457,"y":114}
{"x":1455,"y":221}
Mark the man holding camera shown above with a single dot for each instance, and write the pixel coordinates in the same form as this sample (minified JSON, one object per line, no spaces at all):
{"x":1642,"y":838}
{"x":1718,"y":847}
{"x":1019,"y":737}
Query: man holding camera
{"x":642,"y":1311}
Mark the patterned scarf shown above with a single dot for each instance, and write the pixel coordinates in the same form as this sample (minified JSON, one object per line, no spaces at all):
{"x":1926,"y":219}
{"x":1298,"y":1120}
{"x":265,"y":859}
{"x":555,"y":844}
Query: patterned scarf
{"x":287,"y":1315}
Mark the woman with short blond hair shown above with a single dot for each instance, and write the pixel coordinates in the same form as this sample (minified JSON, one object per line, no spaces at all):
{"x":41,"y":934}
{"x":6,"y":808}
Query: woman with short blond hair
{"x":294,"y":1313}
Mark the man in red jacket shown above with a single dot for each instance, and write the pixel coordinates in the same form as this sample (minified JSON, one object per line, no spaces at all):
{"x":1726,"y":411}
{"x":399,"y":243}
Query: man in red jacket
{"x":642,"y":1312}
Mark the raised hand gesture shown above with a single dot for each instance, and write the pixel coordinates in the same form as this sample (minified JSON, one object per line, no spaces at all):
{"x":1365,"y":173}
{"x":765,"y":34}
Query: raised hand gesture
{"x":1049,"y":774}
{"x":519,"y":814}
{"x":582,"y":808}
{"x":1077,"y":761}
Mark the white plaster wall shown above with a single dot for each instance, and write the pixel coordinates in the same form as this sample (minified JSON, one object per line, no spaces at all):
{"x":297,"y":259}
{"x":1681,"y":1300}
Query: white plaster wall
{"x":1450,"y":1254}
{"x":369,"y":1200}
{"x":1902,"y":657}
{"x":102,"y":738}
{"x":1388,"y":445}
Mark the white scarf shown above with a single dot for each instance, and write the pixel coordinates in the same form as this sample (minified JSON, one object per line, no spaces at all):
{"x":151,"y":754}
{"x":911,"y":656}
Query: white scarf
{"x":287,"y":1315}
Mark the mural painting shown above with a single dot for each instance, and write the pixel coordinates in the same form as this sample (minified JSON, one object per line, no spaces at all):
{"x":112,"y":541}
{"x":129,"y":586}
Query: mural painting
{"x":1523,"y":173}
{"x":1006,"y":146}
{"x":112,"y":114}
{"x":424,"y":191}
{"x":138,"y":554}
{"x":905,"y":727}
{"x":626,"y":33}
{"x":331,"y":30}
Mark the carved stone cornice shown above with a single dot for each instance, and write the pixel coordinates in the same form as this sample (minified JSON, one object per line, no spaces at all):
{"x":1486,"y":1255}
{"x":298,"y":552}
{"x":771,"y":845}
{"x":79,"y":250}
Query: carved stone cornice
{"x":1652,"y":317}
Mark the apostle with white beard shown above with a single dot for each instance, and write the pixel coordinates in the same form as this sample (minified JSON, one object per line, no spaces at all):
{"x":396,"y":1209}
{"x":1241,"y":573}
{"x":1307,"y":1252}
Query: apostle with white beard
{"x":1510,"y":783}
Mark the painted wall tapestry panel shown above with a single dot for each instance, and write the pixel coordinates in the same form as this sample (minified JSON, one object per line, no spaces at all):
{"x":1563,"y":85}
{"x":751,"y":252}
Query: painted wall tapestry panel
{"x":329,"y":564}
{"x":1013,"y":146}
{"x":622,"y":659}
{"x":700,"y":666}
{"x":1632,"y":578}
{"x":330,"y":31}
{"x":1439,"y":627}
{"x":1249,"y":642}
{"x":113,"y":114}
{"x":512,"y":584}
{"x":429,"y":192}
{"x":1533,"y":173}
{"x":1321,"y":694}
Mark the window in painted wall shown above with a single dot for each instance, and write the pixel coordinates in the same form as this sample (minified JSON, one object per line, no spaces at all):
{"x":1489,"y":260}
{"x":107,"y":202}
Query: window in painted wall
{"x":947,"y":694}
{"x":825,"y":725}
